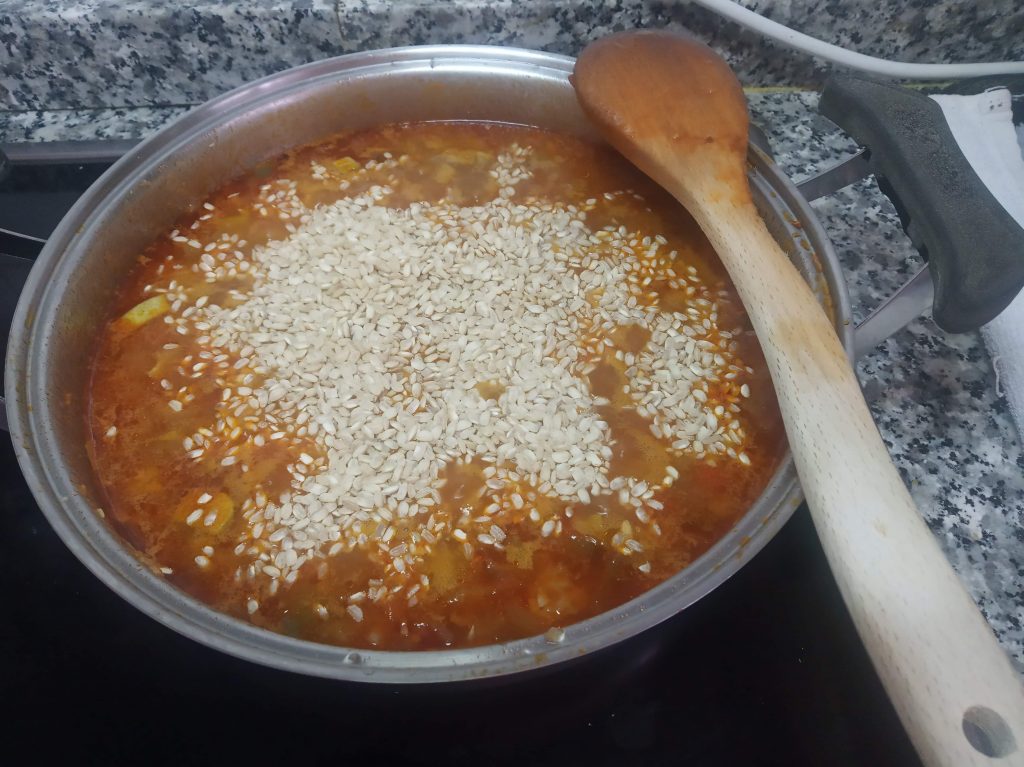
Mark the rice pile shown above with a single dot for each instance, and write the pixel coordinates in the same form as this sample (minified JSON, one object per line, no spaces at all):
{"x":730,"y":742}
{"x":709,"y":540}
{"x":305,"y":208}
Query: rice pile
{"x":402,"y":340}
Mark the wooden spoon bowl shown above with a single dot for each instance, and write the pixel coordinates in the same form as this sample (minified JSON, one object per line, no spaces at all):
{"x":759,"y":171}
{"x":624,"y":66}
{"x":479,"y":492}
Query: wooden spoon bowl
{"x":674,"y":108}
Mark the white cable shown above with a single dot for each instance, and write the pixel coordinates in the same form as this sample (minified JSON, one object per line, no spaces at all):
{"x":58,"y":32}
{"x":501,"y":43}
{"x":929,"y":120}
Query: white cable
{"x":801,"y":42}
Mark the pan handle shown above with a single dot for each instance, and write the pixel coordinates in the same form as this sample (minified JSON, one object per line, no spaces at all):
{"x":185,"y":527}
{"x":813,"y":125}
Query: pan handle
{"x":971,"y":241}
{"x":17,"y":252}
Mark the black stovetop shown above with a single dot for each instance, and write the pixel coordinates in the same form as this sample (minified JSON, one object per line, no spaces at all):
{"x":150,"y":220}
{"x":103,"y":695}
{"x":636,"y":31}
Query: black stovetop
{"x":767,"y":670}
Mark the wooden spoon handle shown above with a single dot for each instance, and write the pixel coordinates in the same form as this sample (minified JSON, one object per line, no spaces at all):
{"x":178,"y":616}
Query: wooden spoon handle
{"x":936,"y":655}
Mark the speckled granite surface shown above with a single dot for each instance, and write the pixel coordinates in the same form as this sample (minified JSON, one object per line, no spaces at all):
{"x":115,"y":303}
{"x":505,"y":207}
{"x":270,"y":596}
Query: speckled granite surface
{"x":933,"y":395}
{"x":107,"y":53}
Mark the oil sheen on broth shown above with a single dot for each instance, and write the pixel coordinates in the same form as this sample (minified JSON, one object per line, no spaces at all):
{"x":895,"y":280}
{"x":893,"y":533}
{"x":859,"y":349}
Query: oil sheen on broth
{"x":429,"y":385}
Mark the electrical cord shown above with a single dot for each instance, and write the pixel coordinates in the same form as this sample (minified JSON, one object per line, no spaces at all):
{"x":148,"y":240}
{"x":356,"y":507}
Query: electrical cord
{"x":837,"y":55}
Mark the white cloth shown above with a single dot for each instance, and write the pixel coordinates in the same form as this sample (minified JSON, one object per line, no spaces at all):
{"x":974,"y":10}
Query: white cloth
{"x":983,"y":128}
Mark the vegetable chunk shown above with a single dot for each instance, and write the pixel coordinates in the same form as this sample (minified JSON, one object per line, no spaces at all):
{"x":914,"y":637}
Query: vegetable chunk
{"x":145,"y":311}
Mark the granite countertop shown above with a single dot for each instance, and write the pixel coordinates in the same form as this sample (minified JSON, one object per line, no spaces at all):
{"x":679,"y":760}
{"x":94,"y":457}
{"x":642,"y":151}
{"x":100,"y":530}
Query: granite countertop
{"x":117,"y":53}
{"x":100,"y":69}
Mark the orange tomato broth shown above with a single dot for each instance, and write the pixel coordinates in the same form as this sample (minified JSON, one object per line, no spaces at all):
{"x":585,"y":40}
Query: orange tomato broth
{"x":532,"y":584}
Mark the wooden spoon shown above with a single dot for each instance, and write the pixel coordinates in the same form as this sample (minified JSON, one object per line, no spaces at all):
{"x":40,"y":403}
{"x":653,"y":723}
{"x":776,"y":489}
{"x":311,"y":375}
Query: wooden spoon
{"x":674,"y":108}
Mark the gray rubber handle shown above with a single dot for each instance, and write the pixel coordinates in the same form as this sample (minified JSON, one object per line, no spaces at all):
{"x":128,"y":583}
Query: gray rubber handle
{"x":973,"y":245}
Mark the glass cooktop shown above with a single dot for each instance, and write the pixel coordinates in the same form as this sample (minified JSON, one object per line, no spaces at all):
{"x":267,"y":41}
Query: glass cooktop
{"x":767,"y":670}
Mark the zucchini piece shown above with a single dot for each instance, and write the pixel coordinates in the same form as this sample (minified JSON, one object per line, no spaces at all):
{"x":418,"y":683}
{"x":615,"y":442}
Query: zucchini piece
{"x":148,"y":310}
{"x":346,"y":166}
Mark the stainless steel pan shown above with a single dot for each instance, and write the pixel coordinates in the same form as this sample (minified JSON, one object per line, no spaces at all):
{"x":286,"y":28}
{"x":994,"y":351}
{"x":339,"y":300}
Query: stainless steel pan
{"x":64,"y":303}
